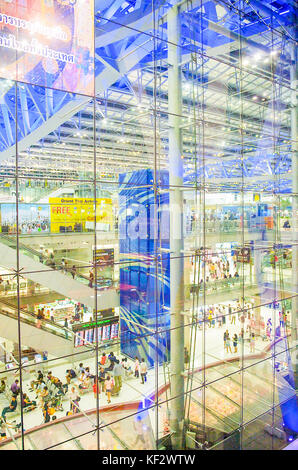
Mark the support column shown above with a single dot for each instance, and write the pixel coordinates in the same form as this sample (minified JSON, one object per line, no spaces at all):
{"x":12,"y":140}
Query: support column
{"x":176,"y":227}
{"x":294,"y":311}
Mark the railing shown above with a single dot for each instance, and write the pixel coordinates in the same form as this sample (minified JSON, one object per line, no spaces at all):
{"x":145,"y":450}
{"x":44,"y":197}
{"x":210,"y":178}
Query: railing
{"x":220,"y":284}
{"x":251,"y":225}
{"x":43,"y":324}
{"x":40,"y":257}
{"x":31,"y":319}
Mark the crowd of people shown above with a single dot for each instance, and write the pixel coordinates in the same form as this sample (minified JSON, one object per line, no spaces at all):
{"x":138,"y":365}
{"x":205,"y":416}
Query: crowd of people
{"x":218,"y":315}
{"x":231,"y":316}
{"x":51,"y":391}
{"x":215,"y":269}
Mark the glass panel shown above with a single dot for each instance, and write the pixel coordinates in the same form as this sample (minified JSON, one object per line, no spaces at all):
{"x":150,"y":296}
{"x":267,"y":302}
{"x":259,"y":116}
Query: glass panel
{"x":148,"y":235}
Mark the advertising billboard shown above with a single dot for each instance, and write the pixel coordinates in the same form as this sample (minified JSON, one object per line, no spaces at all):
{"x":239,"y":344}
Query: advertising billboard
{"x":138,"y":276}
{"x":243,"y":255}
{"x":33,"y":218}
{"x":48,"y":43}
{"x":78,"y":214}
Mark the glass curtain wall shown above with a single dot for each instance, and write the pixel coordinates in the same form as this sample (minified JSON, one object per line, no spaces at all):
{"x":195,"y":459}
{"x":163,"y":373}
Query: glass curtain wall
{"x":155,"y":217}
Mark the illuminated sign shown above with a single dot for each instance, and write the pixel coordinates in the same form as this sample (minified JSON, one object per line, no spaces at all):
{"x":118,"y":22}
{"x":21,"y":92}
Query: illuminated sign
{"x":92,"y":332}
{"x":243,"y":255}
{"x":48,"y":43}
{"x":79,"y":213}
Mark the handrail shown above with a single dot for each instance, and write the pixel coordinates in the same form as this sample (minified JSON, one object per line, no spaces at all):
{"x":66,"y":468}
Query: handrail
{"x":38,"y":254}
{"x":30,"y":318}
{"x":66,"y":333}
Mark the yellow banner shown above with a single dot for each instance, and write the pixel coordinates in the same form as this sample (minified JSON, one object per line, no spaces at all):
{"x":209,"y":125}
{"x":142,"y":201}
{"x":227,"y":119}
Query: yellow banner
{"x":78,"y":214}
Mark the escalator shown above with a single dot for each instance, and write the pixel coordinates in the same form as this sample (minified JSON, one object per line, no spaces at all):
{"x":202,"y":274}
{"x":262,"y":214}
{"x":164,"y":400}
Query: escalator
{"x":50,"y":337}
{"x":31,"y":263}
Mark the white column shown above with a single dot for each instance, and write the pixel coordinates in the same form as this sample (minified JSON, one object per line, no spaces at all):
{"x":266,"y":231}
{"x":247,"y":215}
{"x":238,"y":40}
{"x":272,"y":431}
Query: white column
{"x":176,"y":227}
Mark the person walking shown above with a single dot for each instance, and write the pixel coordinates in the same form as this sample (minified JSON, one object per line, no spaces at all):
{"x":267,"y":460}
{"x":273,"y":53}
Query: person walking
{"x":225,"y":338}
{"x":73,"y":271}
{"x":186,"y":357}
{"x":210,"y":318}
{"x":228,"y":344}
{"x":81,"y":312}
{"x":101,"y":380}
{"x":117,"y":372}
{"x":95,"y":388}
{"x":103,"y":359}
{"x":108,"y":387}
{"x":64,"y":265}
{"x":65,"y":326}
{"x":39,"y":318}
{"x":91,"y":279}
{"x":137,"y":367}
{"x":235,"y":343}
{"x":112,"y":361}
{"x":74,"y":401}
{"x":143,"y":371}
{"x":252,"y":343}
{"x":230,"y":312}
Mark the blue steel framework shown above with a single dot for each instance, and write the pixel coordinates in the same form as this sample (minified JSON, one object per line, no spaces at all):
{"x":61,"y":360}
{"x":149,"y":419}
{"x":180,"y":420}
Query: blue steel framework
{"x":123,"y":45}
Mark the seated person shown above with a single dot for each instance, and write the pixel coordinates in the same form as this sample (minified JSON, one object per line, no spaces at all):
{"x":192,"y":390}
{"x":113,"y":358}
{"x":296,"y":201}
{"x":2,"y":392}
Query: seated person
{"x":49,"y":375}
{"x":11,"y":408}
{"x":45,"y":395}
{"x":27,"y":402}
{"x":2,"y":386}
{"x":88,"y":373}
{"x":70,"y":374}
{"x":38,"y":378}
{"x":40,"y":386}
{"x":82,"y":377}
{"x":54,"y":380}
{"x":286,"y":224}
{"x":3,"y":434}
{"x":85,"y":383}
{"x":112,"y":360}
{"x":47,"y":410}
{"x":58,"y":384}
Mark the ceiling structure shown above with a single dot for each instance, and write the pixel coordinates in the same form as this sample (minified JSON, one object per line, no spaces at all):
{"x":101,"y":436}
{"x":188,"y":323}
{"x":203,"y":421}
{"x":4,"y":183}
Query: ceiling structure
{"x":237,"y":98}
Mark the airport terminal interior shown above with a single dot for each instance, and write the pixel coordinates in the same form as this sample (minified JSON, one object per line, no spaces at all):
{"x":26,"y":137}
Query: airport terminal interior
{"x":148,"y":225}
